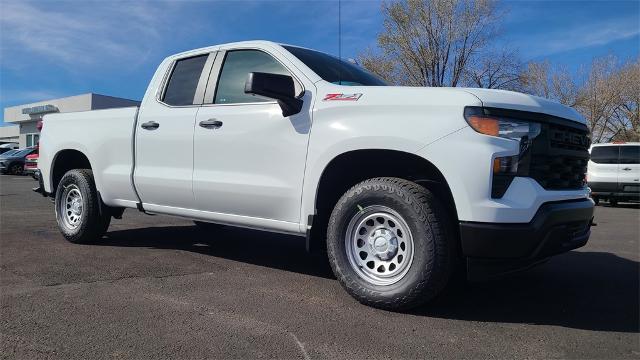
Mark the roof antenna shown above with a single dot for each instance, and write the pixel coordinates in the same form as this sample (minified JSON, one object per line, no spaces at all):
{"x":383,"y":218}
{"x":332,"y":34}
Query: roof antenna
{"x":339,"y":39}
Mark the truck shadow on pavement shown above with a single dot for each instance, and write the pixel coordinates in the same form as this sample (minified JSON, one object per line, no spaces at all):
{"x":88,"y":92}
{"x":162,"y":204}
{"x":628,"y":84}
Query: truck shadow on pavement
{"x":583,"y":290}
{"x":278,"y":251}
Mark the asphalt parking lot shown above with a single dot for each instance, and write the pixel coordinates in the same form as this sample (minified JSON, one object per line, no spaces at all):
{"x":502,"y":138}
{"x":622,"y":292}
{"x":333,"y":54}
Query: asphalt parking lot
{"x":157,"y":287}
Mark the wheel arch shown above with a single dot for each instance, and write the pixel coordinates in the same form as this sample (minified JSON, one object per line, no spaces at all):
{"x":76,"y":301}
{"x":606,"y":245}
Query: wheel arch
{"x":352,"y":167}
{"x":65,"y":160}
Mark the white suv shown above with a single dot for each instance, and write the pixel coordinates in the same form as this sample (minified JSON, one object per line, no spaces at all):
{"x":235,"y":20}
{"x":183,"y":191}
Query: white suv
{"x":614,"y":172}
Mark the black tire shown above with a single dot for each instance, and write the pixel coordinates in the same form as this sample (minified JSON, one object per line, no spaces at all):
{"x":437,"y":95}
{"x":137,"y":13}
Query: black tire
{"x":596,"y":200}
{"x":91,"y":225}
{"x":16,"y":169}
{"x":613,"y":202}
{"x":433,"y":243}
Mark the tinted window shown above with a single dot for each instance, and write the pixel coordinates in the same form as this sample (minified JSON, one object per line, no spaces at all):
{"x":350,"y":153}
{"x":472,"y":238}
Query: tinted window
{"x":605,"y":154}
{"x":183,"y":81}
{"x":334,"y":70}
{"x":237,"y":65}
{"x":629,"y":154}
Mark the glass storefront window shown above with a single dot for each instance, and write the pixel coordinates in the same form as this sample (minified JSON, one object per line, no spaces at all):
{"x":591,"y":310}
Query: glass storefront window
{"x":32,"y":139}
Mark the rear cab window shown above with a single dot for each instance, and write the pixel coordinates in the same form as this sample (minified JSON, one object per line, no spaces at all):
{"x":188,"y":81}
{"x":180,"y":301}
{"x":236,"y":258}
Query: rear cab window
{"x":182,"y":84}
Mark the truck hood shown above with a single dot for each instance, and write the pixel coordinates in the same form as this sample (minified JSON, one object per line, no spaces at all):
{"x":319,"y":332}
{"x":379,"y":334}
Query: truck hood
{"x":518,"y":101}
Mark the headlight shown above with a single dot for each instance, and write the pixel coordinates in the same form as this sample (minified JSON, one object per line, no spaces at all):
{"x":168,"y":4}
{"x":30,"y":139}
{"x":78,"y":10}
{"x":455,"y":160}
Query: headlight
{"x":500,"y":126}
{"x":504,"y":168}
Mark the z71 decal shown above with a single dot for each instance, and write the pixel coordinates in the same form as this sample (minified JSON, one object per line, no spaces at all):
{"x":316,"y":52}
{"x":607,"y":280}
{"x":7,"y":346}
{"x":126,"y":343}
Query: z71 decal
{"x":342,"y":97}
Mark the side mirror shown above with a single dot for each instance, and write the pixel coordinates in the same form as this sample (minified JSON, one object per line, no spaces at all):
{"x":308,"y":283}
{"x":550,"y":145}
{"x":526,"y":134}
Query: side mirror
{"x":275,"y":86}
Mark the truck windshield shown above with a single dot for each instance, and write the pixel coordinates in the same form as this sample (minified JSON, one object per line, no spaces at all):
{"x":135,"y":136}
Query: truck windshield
{"x":334,"y":70}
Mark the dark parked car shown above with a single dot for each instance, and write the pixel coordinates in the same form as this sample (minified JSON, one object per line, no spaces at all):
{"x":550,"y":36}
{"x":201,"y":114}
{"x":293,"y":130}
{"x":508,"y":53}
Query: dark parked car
{"x":10,"y":152}
{"x":31,"y":165}
{"x":14,"y":162}
{"x":4,"y":148}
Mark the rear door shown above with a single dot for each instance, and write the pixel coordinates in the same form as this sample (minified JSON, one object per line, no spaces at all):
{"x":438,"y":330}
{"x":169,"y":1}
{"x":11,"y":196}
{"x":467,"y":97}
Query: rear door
{"x":629,"y":168}
{"x":164,"y":137}
{"x":603,"y":168}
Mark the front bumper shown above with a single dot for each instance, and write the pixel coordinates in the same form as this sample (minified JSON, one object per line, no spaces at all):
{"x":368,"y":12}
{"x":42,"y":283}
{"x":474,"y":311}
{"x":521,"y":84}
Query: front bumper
{"x":493,"y":249}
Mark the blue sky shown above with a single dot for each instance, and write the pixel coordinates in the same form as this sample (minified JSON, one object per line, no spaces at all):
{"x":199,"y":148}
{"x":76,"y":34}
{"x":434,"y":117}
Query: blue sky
{"x":51,"y":49}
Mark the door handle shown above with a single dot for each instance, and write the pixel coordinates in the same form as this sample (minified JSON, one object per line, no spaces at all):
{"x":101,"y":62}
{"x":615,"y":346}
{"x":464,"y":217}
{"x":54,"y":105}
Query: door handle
{"x":627,"y":169}
{"x":210,"y":124}
{"x":150,"y":125}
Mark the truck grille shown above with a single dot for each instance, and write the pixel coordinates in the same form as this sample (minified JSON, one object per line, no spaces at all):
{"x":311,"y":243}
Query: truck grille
{"x":559,"y":156}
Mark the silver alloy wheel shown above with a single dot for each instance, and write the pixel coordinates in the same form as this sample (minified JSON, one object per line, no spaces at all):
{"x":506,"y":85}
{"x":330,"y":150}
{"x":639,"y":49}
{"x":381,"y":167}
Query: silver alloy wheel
{"x":379,"y":245}
{"x":70,"y":206}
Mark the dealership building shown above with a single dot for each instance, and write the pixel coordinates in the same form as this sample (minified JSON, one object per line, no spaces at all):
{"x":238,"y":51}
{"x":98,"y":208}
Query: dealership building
{"x":25,"y":118}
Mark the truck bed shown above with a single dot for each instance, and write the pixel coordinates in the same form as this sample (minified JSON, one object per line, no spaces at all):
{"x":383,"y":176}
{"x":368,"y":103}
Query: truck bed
{"x":105,"y":137}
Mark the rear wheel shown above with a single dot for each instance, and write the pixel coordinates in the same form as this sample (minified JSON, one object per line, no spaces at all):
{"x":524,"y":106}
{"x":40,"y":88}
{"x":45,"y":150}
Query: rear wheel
{"x":613,"y":201}
{"x":596,"y":200}
{"x":16,"y":169}
{"x":78,"y":209}
{"x":389,"y":243}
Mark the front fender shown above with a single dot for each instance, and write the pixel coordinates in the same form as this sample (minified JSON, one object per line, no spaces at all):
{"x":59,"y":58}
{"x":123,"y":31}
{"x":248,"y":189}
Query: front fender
{"x":336,"y":132}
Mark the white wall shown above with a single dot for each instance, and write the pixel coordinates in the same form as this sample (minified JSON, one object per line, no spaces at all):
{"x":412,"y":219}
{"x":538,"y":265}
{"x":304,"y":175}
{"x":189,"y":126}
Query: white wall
{"x":9,"y":133}
{"x":69,"y":104}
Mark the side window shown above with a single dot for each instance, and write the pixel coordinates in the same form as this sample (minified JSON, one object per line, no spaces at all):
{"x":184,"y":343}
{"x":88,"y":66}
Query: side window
{"x":605,"y":154}
{"x":182,"y":84}
{"x":629,"y":154}
{"x":237,"y":64}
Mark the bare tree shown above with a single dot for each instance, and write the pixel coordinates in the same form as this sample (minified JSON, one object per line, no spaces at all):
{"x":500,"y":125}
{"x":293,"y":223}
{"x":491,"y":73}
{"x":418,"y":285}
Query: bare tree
{"x":601,"y":98}
{"x":556,"y":83}
{"x":431,"y":43}
{"x":494,"y":70}
{"x":606,"y":93}
{"x":627,"y":116}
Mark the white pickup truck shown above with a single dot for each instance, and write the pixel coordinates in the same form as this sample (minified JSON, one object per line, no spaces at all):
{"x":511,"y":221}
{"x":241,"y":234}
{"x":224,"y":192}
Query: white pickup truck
{"x":399,"y":185}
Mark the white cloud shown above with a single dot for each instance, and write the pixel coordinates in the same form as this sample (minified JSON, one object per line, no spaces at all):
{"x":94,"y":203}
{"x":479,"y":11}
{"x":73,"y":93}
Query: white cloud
{"x":578,"y":37}
{"x":75,"y":33}
{"x":26,"y":96}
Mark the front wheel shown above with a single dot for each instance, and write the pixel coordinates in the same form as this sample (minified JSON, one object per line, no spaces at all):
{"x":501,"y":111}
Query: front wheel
{"x":78,"y":209}
{"x":390,"y":243}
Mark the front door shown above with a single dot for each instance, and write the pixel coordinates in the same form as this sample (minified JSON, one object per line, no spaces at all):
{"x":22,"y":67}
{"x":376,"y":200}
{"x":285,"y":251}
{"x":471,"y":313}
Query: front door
{"x":248,"y":159}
